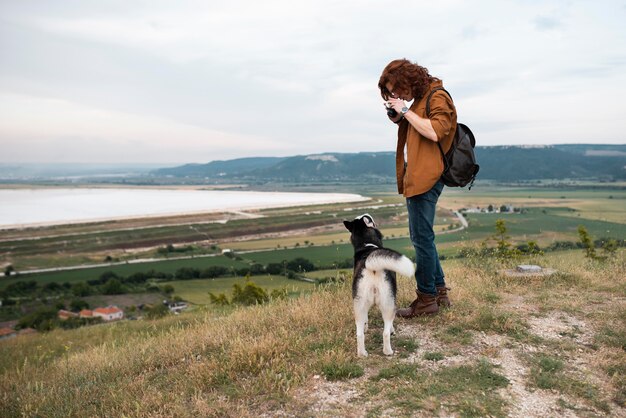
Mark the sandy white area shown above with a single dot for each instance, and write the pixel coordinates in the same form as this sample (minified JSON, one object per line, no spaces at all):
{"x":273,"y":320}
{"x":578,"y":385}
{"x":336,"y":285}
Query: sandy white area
{"x":40,"y":206}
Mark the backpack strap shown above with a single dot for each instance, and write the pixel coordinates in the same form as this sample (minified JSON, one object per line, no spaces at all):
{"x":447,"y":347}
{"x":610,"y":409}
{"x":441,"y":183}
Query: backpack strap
{"x":446,"y":164}
{"x":433,"y":91}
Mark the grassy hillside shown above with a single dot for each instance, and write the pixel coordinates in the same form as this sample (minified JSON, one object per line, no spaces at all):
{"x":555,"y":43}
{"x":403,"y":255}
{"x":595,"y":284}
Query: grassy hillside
{"x":521,"y":347}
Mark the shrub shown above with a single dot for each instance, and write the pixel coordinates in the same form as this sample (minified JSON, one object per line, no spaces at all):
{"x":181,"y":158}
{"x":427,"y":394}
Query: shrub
{"x":220,"y":299}
{"x":300,"y":265}
{"x":157,"y":311}
{"x":250,"y":294}
{"x":275,"y":268}
{"x":187,"y":273}
{"x":257,"y":269}
{"x":21,"y":288}
{"x":81,"y":289}
{"x":78,"y":304}
{"x":43,"y":319}
{"x":214,"y":271}
{"x":113,"y":287}
{"x":588,"y":245}
{"x":167,"y":289}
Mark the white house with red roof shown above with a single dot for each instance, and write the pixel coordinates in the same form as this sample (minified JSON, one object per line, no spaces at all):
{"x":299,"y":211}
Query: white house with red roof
{"x":110,"y":313}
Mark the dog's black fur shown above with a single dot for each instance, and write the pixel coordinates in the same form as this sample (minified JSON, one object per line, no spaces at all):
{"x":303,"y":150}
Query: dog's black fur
{"x":374,"y":279}
{"x":360,"y":236}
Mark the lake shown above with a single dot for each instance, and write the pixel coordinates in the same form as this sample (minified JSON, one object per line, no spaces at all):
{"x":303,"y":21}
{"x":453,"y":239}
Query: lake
{"x":48,"y":206}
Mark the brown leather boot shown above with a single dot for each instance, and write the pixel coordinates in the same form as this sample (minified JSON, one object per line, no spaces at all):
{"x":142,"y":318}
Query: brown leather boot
{"x":425,"y":304}
{"x":442,"y":297}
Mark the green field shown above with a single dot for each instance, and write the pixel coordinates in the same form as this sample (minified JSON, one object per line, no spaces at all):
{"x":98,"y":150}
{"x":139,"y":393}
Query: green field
{"x":548,"y":215}
{"x":81,"y":275}
{"x":197,"y":291}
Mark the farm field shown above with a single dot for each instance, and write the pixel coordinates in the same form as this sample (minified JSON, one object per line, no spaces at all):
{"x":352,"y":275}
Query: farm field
{"x":197,"y":291}
{"x":85,"y":274}
{"x":548,"y":215}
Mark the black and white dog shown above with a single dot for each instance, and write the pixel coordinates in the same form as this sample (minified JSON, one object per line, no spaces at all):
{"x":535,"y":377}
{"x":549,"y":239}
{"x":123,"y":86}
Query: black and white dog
{"x":374,"y":280}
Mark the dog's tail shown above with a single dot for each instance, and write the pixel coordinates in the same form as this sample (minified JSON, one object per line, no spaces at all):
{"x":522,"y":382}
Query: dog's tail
{"x":390,"y":260}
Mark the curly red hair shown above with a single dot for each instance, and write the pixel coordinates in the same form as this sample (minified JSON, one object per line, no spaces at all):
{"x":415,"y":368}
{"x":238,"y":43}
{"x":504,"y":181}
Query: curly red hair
{"x":405,"y":76}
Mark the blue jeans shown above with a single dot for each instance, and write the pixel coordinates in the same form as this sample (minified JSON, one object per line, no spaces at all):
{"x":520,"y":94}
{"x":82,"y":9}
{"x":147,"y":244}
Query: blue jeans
{"x":421,"y":208}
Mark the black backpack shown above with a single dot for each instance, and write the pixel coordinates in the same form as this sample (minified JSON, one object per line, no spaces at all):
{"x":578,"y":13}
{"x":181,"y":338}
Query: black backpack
{"x":460,"y":166}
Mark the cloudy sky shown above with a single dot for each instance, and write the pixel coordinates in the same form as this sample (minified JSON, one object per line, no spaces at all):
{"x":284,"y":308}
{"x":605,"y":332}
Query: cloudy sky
{"x":195,"y":81}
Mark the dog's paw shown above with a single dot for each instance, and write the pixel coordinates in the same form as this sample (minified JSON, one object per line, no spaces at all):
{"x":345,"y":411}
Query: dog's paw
{"x":388,"y":352}
{"x":362,"y":353}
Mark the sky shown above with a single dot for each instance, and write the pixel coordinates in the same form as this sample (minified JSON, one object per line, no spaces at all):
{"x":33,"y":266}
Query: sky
{"x":173,"y":82}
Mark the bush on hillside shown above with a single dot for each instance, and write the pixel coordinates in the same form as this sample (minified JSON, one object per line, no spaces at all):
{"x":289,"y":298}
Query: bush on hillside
{"x":300,"y":265}
{"x":43,"y":319}
{"x":250,"y":294}
{"x":157,"y":311}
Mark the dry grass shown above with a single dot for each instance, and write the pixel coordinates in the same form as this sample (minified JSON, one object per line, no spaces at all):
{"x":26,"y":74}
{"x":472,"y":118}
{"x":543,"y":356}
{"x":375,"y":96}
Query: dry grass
{"x":297,"y":357}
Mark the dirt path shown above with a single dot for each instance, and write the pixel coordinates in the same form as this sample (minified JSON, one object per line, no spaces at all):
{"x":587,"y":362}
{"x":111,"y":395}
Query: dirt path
{"x":509,"y":357}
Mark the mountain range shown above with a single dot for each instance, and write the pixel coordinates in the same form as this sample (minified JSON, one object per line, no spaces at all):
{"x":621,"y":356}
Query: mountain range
{"x":497,"y":163}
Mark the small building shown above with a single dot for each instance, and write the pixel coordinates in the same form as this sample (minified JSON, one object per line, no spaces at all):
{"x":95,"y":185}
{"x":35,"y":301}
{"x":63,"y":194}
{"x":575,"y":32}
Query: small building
{"x":7,"y":333}
{"x":63,"y":314}
{"x":110,"y":313}
{"x":86,"y":313}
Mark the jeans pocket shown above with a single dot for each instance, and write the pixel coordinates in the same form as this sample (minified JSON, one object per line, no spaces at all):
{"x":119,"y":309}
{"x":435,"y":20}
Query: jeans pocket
{"x":433,"y":194}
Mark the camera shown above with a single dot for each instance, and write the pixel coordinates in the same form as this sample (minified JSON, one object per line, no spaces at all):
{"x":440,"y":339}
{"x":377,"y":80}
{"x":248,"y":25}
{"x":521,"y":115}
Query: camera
{"x":391,"y":112}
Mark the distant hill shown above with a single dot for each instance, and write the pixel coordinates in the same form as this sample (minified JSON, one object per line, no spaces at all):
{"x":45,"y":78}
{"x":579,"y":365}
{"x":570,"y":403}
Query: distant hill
{"x":228,"y":168}
{"x":499,"y":163}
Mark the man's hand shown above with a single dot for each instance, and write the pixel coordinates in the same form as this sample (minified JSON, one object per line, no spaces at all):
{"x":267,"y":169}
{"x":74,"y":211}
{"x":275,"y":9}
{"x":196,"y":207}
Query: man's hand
{"x":396,"y":118}
{"x":396,"y":104}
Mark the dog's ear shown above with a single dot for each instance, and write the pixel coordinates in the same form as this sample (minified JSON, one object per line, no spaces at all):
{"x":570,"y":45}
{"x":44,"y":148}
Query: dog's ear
{"x":349,"y":225}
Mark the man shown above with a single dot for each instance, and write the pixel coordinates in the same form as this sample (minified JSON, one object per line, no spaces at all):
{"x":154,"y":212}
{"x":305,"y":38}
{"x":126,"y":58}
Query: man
{"x":419,"y":166}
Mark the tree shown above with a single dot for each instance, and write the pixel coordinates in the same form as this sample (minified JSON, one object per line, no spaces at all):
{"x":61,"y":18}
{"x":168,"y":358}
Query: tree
{"x":168,"y":289}
{"x":257,"y":269}
{"x":113,"y":287}
{"x":81,"y":289}
{"x":300,"y":265}
{"x":43,"y":319}
{"x":275,"y":268}
{"x":9,"y":270}
{"x":78,"y":305}
{"x":503,"y":248}
{"x":587,"y":242}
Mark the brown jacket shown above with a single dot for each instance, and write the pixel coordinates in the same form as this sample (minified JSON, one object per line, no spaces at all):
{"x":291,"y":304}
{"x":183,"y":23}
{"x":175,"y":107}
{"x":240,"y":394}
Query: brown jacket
{"x":424,"y":162}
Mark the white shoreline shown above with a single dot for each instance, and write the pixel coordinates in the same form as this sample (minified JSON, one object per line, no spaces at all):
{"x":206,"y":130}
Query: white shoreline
{"x":296,"y":199}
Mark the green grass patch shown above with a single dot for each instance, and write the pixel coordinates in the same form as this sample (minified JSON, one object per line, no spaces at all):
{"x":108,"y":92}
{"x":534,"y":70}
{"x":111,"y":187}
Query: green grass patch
{"x":549,"y":372}
{"x":406,"y":371}
{"x":468,"y":390}
{"x":500,"y":322}
{"x":342,"y":371}
{"x":455,"y":334}
{"x":85,"y":274}
{"x":433,"y":356}
{"x":612,"y":337}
